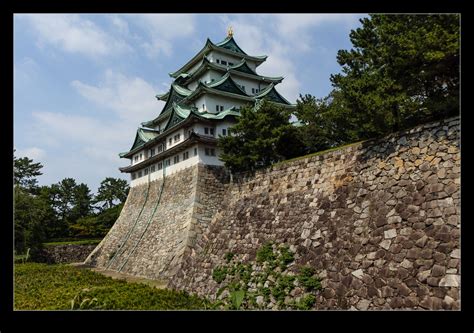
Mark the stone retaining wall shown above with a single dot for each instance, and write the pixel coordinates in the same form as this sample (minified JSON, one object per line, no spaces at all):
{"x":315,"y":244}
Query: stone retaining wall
{"x":380,"y":221}
{"x":65,"y":254}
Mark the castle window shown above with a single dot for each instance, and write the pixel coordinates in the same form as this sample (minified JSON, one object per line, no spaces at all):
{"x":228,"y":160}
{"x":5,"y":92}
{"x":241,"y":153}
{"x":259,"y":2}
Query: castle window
{"x":213,"y":152}
{"x":139,"y":174}
{"x":223,"y":62}
{"x":217,"y":60}
{"x":224,"y":132}
{"x":134,"y":175}
{"x":211,"y":130}
{"x":145,"y":171}
{"x":141,"y":156}
{"x":206,"y":151}
{"x":152,"y":169}
{"x":176,"y":159}
{"x":222,"y":108}
{"x":217,"y":108}
{"x":176,"y":137}
{"x":160,"y":148}
{"x":206,"y":130}
{"x":152,"y":152}
{"x":253,"y":90}
{"x":170,"y":141}
{"x":160,"y":165}
{"x":167,"y":162}
{"x":231,"y":64}
{"x":195,"y":151}
{"x":185,"y":155}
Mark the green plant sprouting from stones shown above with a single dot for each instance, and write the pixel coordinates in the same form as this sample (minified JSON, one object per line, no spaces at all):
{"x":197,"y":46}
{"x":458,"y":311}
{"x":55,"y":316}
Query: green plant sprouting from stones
{"x":267,"y":282}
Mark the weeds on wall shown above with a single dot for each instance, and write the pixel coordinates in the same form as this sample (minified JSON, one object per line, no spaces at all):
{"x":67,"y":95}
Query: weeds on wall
{"x":266,"y":283}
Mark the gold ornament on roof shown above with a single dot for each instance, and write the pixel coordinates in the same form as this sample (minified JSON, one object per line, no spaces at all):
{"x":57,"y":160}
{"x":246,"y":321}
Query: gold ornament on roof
{"x":230,"y":32}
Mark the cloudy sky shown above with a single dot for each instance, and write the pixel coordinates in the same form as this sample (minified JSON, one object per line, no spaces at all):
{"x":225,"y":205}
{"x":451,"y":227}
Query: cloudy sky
{"x":84,"y":83}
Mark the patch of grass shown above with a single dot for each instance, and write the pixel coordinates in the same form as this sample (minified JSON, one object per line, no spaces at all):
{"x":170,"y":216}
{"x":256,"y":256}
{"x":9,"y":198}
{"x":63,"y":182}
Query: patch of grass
{"x":75,"y":242}
{"x":318,"y":153}
{"x":64,"y":287}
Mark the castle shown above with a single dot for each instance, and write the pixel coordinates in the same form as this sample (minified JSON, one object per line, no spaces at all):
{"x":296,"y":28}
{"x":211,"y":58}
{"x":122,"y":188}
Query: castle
{"x":201,"y":104}
{"x":379,"y":221}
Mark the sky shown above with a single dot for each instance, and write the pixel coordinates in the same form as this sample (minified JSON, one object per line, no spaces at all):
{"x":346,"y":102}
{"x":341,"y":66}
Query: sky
{"x":84,"y":83}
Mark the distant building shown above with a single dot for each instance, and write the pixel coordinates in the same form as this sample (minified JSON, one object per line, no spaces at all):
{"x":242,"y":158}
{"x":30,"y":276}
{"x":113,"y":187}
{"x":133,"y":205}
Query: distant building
{"x":202,"y":103}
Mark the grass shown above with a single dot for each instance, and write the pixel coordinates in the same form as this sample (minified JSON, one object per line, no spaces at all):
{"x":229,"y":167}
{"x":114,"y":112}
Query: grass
{"x":75,"y":242}
{"x":64,"y":287}
{"x":318,"y":153}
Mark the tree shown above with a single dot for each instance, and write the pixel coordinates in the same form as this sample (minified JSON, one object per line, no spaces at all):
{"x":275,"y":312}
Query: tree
{"x":25,"y":173}
{"x":96,"y":225}
{"x":112,"y":190}
{"x":82,"y":202}
{"x":403,"y":69}
{"x":259,"y":138}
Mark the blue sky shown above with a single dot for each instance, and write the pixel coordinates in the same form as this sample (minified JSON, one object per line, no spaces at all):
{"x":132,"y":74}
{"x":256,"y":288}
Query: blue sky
{"x":84,"y":83}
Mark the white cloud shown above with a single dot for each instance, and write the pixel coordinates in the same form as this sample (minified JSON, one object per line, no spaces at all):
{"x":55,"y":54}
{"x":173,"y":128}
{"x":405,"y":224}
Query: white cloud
{"x":34,"y":153}
{"x":25,"y":71}
{"x":74,"y":34}
{"x":130,"y":98}
{"x":162,"y":30}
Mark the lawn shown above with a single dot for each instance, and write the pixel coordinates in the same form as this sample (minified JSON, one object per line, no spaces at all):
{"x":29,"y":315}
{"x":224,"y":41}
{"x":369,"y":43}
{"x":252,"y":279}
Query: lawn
{"x":64,"y":287}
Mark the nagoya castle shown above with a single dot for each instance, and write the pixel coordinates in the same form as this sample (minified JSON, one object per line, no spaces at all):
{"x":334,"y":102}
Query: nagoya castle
{"x":201,"y":104}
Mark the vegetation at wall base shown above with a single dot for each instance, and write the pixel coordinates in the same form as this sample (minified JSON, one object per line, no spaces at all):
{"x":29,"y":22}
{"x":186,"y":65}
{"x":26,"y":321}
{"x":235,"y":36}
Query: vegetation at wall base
{"x":266,"y":282}
{"x":64,"y":287}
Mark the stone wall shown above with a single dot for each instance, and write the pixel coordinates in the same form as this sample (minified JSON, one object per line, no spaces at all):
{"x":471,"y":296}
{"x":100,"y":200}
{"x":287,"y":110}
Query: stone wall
{"x":379,"y":220}
{"x":65,"y":254}
{"x":154,"y":230}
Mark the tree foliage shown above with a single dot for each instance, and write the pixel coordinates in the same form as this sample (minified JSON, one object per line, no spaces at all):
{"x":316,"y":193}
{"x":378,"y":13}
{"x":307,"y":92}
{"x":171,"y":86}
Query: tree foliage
{"x":259,"y":138}
{"x":25,"y":173}
{"x":110,"y":191}
{"x":402,"y":70}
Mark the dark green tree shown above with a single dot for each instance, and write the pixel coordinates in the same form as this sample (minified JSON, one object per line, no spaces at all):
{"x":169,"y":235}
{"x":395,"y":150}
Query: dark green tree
{"x":402,"y":70}
{"x":260,"y":137}
{"x":82,"y":202}
{"x":112,"y":191}
{"x":25,"y":173}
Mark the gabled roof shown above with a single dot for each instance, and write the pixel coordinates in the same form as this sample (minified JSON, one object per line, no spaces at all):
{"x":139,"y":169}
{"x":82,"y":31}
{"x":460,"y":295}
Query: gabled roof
{"x":239,"y":69}
{"x":180,"y":90}
{"x":224,"y":86}
{"x":179,"y":114}
{"x":228,"y":46}
{"x":174,"y":95}
{"x":272,"y":94}
{"x":143,"y":136}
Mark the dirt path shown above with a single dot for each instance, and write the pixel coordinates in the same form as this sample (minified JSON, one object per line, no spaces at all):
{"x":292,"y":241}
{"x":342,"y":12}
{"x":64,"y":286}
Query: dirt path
{"x":121,"y":276}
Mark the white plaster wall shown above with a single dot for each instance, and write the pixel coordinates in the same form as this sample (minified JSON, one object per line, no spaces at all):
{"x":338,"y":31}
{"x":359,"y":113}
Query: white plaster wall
{"x":221,"y":125}
{"x":210,"y":102}
{"x":173,"y":168}
{"x":210,"y":160}
{"x":249,"y":84}
{"x":171,"y":135}
{"x":217,"y":55}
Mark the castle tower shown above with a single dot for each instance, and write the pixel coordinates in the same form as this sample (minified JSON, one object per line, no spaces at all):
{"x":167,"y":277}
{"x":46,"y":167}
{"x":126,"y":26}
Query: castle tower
{"x":201,"y":104}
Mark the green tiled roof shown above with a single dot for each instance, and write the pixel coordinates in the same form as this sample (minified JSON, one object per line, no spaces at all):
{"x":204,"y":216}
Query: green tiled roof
{"x":271,"y":94}
{"x":174,"y":95}
{"x":230,"y":44}
{"x":143,"y":136}
{"x":227,"y":46}
{"x":227,"y":84}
